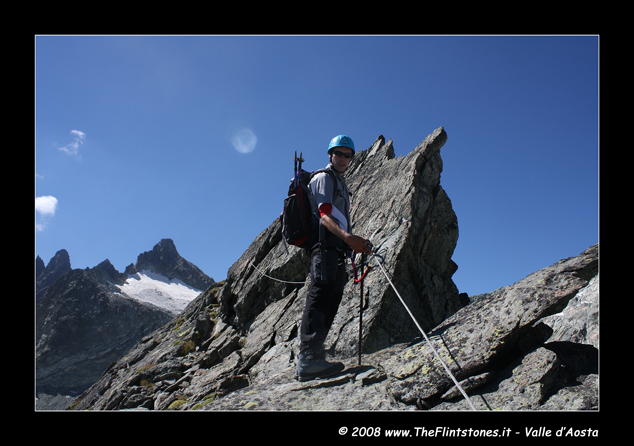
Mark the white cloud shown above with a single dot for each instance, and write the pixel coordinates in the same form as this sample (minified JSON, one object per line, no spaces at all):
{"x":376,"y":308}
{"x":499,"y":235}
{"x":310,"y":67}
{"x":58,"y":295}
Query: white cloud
{"x":73,"y":147}
{"x":45,"y":206}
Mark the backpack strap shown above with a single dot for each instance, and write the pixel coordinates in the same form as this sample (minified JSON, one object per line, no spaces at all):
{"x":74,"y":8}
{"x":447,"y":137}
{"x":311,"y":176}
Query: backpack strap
{"x":322,"y":244}
{"x":335,"y":181}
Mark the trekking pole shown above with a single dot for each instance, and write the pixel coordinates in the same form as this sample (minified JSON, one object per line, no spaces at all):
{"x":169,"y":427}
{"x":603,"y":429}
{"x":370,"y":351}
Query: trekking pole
{"x":361,"y":311}
{"x":295,"y":177}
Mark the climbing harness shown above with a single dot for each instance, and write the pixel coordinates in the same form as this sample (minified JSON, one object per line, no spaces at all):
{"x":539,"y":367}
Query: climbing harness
{"x":356,"y":280}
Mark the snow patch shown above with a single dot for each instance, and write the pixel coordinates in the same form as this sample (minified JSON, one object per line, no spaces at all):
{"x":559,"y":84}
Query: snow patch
{"x":156,"y":289}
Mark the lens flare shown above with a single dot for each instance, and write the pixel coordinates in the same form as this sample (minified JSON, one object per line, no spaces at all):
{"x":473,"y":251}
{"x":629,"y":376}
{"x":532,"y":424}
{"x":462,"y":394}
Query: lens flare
{"x":244,"y":141}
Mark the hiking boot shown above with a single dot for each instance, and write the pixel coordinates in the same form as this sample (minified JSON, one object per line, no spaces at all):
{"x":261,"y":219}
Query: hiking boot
{"x":311,"y":366}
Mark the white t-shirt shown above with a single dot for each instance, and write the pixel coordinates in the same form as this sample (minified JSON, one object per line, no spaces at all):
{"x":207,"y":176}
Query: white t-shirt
{"x":337,"y":196}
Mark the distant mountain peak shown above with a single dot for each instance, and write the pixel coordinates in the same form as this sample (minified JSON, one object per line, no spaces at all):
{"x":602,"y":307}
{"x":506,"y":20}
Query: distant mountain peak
{"x":166,"y":244}
{"x":57,"y":267}
{"x":107,"y":270}
{"x":164,"y":259}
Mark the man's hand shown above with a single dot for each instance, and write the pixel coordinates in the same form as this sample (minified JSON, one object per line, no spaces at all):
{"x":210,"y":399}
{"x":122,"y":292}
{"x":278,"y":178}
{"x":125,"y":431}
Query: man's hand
{"x":358,"y":244}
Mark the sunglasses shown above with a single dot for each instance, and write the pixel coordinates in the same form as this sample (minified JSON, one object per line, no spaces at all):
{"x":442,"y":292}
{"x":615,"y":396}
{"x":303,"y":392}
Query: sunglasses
{"x":340,"y":154}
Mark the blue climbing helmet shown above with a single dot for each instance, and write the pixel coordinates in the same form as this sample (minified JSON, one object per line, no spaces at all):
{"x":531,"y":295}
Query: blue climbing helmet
{"x":341,"y":141}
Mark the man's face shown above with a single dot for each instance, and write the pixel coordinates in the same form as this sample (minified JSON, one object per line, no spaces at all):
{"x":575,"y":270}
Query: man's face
{"x":340,"y":158}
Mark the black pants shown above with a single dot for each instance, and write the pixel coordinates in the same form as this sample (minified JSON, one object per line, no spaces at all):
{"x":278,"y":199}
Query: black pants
{"x":323,"y":299}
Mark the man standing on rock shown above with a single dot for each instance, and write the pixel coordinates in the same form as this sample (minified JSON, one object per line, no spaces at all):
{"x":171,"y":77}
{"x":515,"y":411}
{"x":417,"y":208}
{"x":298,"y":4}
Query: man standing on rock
{"x":330,"y":200}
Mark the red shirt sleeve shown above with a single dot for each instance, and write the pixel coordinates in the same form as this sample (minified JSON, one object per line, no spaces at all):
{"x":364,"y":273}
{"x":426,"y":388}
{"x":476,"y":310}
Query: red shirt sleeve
{"x":325,"y":209}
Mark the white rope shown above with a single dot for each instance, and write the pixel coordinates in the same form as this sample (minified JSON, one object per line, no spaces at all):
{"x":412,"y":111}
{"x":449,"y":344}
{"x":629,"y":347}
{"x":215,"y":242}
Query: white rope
{"x":273,"y":278}
{"x":427,"y":339}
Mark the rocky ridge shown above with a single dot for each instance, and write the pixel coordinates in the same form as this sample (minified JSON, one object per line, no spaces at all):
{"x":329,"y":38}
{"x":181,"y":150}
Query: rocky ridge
{"x":234,"y":347}
{"x":84,"y":322}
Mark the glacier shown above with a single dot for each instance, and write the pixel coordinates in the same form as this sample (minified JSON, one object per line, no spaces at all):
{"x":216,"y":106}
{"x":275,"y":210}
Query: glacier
{"x":172,"y":295}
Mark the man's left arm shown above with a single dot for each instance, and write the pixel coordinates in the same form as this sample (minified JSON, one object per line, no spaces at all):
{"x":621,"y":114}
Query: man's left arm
{"x":358,"y":244}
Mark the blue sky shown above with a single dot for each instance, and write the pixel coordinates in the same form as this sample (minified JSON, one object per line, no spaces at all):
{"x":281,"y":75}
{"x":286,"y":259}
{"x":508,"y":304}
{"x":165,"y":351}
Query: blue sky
{"x":139,"y":138}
